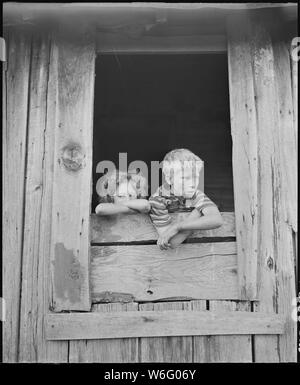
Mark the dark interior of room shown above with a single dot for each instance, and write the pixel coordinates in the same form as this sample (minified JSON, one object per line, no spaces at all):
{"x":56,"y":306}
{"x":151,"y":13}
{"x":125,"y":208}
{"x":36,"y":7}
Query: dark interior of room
{"x":147,"y":105}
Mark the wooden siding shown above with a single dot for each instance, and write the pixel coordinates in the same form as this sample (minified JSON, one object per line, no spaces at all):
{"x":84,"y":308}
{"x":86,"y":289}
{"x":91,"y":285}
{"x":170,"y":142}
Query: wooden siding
{"x":146,"y":273}
{"x":277,"y":281}
{"x":237,"y":348}
{"x":139,"y":228}
{"x":28,"y":264}
{"x":77,"y":326}
{"x":15,"y":101}
{"x":108,"y":350}
{"x":122,"y":243}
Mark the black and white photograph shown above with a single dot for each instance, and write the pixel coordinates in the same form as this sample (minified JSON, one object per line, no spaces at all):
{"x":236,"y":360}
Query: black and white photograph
{"x":150,"y":185}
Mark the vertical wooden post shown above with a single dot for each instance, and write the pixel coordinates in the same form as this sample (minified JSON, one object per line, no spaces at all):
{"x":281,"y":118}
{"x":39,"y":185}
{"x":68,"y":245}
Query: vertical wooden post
{"x":15,"y":102}
{"x":244,"y":153}
{"x":33,"y":346}
{"x":294,"y":70}
{"x":72,"y":186}
{"x":259,"y":70}
{"x":276,"y":162}
{"x":287,"y":199}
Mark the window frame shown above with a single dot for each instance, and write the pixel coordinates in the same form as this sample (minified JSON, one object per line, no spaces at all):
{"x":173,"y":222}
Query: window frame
{"x":73,"y":326}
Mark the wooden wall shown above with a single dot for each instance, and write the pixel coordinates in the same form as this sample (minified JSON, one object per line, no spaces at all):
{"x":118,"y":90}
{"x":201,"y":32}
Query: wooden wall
{"x":265,"y":109}
{"x":28,"y":142}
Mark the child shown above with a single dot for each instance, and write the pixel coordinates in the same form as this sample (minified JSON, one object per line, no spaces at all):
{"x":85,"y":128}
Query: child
{"x":121,"y":192}
{"x":181,"y":171}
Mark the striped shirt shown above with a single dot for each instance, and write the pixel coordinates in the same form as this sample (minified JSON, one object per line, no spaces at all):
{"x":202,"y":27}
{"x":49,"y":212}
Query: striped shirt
{"x":161,"y":205}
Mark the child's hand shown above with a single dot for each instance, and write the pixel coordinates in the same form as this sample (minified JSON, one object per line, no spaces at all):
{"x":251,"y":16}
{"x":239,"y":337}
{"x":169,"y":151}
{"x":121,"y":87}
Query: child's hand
{"x":164,"y":238}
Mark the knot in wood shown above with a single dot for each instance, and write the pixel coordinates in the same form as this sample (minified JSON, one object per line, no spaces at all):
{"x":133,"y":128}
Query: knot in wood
{"x":72,"y":157}
{"x":270,"y":263}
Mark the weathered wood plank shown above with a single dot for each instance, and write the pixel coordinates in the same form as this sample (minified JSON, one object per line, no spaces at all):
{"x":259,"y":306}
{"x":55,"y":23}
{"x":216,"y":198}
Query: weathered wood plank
{"x":121,"y":43}
{"x":147,"y":273}
{"x":129,"y":324}
{"x":166,"y":349}
{"x":287,"y":135}
{"x":72,"y":173}
{"x":276,"y":283}
{"x":36,"y":244}
{"x":200,"y":343}
{"x":130,"y":228}
{"x":265,"y":348}
{"x":15,"y":101}
{"x":235,"y":348}
{"x":32,"y":265}
{"x":294,"y":74}
{"x":244,"y":153}
{"x":285,"y":205}
{"x":294,"y":67}
{"x":53,"y":351}
{"x":107,"y":350}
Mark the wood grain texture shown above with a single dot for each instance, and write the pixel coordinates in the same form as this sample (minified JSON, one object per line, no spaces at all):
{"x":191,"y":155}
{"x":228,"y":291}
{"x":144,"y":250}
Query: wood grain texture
{"x":15,"y":101}
{"x":294,"y":74}
{"x":286,"y":202}
{"x":235,"y":348}
{"x":286,"y":131}
{"x":277,"y":280}
{"x":106,"y":350}
{"x":32,"y":265}
{"x":212,"y":348}
{"x":121,"y":43}
{"x":147,"y":273}
{"x":294,"y":68}
{"x":200,"y":343}
{"x":54,"y":351}
{"x":166,"y":349}
{"x":265,"y":348}
{"x":244,"y":153}
{"x":138,"y":227}
{"x":72,"y":172}
{"x":158,"y":323}
{"x":38,"y":189}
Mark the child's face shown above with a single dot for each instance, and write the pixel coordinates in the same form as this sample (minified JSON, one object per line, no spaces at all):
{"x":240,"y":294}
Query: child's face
{"x":183,"y":179}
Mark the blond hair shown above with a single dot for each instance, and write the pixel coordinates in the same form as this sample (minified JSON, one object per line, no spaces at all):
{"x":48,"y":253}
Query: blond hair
{"x":181,"y":155}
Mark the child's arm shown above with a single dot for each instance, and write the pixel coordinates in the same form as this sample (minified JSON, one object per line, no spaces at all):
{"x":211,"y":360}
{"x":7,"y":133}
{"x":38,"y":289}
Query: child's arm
{"x":178,"y":232}
{"x":181,"y":236}
{"x":211,"y":219}
{"x":112,"y":209}
{"x":140,"y":205}
{"x":124,"y":207}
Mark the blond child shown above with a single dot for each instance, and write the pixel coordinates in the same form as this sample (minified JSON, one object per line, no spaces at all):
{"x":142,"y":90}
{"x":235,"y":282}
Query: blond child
{"x":181,"y":171}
